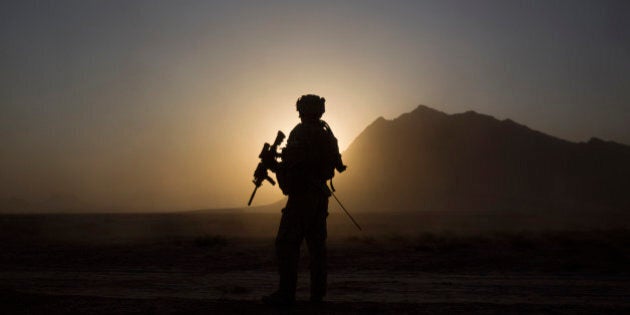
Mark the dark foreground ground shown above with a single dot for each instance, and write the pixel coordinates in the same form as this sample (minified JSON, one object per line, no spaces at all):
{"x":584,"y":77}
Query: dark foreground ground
{"x":217,"y":263}
{"x":47,"y":304}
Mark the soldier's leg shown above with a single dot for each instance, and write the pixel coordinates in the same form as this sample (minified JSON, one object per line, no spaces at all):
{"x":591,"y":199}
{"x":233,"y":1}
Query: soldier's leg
{"x":288,"y":242}
{"x":316,"y":235}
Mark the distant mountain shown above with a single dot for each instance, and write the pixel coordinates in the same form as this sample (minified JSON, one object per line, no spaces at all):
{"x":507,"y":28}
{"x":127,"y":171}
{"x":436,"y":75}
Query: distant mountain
{"x":429,"y":160}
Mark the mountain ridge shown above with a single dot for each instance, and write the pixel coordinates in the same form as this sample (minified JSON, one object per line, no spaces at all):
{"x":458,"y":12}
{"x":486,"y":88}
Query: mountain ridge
{"x":429,"y":160}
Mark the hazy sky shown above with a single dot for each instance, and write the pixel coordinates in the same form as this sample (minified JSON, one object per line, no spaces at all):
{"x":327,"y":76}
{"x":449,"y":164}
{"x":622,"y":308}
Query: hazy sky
{"x":164,"y":105}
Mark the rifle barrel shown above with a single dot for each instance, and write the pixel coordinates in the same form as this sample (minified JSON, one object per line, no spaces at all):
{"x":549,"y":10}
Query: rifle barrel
{"x":252,"y":197}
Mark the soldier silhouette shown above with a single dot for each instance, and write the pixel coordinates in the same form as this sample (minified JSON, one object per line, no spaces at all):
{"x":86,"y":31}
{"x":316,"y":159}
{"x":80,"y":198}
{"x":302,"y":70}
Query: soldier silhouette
{"x":308,"y":161}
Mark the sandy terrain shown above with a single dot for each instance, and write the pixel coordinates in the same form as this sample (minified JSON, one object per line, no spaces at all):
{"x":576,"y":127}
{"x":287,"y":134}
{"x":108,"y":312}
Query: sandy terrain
{"x":554,"y":272}
{"x":130,"y":291}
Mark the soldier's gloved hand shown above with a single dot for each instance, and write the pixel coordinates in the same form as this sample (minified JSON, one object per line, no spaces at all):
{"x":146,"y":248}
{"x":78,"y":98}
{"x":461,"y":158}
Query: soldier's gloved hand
{"x":341,"y":168}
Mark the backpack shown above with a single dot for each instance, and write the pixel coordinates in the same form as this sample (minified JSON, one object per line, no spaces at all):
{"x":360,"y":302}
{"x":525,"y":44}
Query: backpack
{"x":311,"y":155}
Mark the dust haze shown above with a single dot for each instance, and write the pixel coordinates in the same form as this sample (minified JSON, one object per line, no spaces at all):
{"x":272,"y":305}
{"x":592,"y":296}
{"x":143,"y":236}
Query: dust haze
{"x":140,"y":106}
{"x":420,"y":249}
{"x":487,"y":145}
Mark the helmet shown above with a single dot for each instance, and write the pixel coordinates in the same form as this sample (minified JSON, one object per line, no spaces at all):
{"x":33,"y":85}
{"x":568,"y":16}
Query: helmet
{"x":311,"y":105}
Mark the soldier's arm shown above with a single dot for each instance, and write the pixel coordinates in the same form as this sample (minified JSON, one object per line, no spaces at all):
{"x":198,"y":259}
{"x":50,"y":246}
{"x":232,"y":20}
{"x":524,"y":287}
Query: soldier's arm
{"x":338,"y":162}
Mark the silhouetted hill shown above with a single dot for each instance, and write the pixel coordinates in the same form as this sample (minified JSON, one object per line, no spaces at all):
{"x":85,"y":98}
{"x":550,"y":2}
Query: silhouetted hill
{"x":429,"y":160}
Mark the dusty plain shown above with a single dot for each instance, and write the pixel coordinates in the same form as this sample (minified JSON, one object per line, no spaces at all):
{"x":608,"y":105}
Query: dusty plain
{"x":222,"y":262}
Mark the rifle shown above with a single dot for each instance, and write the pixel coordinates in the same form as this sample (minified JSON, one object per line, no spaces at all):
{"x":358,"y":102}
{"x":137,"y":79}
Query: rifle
{"x":268,"y":161}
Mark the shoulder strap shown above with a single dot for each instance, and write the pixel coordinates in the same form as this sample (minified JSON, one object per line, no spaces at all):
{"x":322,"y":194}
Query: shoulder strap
{"x":327,"y":128}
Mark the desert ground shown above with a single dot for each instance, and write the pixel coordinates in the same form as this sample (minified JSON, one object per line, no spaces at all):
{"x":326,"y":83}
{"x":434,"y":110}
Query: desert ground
{"x":222,"y":262}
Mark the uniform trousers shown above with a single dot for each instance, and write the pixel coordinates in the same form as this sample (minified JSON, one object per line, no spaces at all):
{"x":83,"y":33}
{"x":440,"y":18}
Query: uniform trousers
{"x":303,"y":218}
